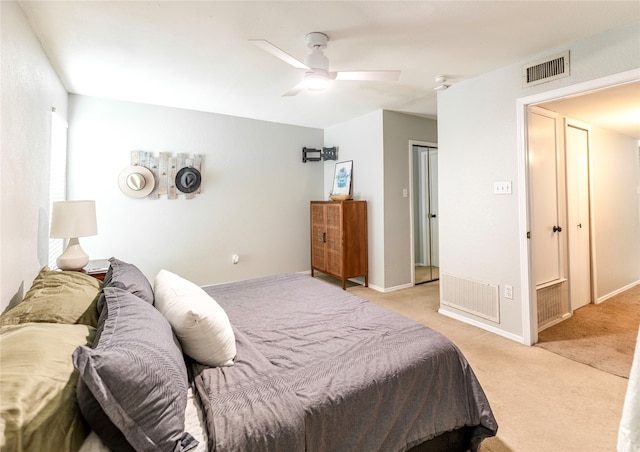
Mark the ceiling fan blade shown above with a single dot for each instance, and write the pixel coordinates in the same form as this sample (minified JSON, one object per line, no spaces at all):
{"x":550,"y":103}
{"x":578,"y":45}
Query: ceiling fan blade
{"x":385,"y":76}
{"x":278,"y":53}
{"x":295,"y":90}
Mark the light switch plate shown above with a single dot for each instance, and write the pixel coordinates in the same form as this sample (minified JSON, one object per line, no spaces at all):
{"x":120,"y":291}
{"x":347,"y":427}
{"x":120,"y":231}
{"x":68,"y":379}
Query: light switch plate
{"x":502,"y":188}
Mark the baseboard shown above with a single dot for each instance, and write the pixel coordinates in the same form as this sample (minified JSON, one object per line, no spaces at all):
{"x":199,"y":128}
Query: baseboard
{"x":555,"y":322}
{"x":617,"y":292}
{"x":390,"y":289}
{"x":489,"y":328}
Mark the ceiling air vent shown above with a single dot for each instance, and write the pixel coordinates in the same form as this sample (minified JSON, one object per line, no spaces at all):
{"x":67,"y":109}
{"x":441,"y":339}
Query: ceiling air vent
{"x":546,"y":70}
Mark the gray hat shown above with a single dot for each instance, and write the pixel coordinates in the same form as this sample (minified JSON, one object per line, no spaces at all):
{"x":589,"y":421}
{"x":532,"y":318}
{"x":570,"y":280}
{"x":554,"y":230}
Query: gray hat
{"x":188,"y":179}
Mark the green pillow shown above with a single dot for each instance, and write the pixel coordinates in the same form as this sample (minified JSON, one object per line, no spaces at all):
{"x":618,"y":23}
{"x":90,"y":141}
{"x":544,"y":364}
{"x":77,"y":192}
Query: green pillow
{"x":58,"y":297}
{"x":38,"y":405}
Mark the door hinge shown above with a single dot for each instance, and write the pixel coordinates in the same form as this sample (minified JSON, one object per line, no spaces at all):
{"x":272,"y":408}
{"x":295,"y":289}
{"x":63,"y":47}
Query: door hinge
{"x":528,"y":234}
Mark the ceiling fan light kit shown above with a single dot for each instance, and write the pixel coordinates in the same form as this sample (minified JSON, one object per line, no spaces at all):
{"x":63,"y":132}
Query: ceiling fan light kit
{"x":316,"y":81}
{"x":317,"y":76}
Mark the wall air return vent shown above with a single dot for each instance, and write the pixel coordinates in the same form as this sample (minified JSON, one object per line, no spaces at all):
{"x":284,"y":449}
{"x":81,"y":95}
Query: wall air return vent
{"x":477,"y":298}
{"x":552,"y":68}
{"x":549,"y":305}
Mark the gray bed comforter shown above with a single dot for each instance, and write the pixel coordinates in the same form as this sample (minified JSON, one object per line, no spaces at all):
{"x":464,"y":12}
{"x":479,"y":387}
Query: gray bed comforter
{"x":319,"y":369}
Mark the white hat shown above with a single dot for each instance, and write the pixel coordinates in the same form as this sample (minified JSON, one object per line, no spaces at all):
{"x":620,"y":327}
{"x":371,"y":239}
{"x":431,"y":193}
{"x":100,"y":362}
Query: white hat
{"x":136,"y":181}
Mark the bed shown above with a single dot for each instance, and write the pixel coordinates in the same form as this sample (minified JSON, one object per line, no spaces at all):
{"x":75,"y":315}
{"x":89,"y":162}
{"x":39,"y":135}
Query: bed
{"x":314,"y":368}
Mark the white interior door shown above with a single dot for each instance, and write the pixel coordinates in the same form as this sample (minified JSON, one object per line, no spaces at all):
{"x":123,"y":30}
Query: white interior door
{"x":426,"y":227}
{"x":429,"y":206}
{"x":578,"y":229}
{"x":545,"y":192}
{"x":424,"y":206}
{"x":434,"y":236}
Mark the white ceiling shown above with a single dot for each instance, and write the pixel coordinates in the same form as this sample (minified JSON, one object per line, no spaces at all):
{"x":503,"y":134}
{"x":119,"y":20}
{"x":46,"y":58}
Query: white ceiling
{"x":616,"y":108}
{"x":196,"y":55}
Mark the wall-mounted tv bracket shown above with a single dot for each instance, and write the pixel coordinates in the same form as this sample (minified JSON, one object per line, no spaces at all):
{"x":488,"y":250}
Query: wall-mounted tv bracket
{"x":315,"y":155}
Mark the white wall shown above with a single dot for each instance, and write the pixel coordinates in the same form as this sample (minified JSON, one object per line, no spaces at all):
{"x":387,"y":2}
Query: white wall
{"x":254,"y":201}
{"x":378,"y":144}
{"x":615,"y":173}
{"x":399,"y":129}
{"x":478,"y":144}
{"x":360,"y":140}
{"x":29,"y":90}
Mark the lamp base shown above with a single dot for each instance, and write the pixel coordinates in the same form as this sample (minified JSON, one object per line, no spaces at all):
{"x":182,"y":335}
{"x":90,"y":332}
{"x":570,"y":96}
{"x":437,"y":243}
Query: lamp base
{"x":74,"y":258}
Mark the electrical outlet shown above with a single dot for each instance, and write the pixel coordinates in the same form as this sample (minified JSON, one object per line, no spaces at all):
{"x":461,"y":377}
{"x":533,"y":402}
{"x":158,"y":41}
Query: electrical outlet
{"x":235,"y":259}
{"x":508,"y":292}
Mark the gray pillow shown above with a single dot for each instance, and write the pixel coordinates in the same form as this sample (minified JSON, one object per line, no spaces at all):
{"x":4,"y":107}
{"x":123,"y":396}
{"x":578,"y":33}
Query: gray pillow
{"x":130,"y":278}
{"x":127,"y":277}
{"x":132,"y":389}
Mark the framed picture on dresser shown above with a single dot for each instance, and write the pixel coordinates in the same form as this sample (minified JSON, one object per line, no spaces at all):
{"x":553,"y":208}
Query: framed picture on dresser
{"x":342,"y":178}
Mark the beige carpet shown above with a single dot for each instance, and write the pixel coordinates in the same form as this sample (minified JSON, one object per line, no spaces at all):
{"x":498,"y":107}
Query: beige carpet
{"x":542,"y":401}
{"x":600,"y":335}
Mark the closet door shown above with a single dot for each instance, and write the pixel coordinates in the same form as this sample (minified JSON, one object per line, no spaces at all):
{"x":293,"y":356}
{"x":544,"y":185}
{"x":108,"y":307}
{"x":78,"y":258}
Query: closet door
{"x":578,"y":230}
{"x":545,"y":170}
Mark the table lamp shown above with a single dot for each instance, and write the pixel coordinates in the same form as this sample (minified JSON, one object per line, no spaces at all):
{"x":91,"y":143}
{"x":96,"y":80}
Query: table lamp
{"x":70,"y":220}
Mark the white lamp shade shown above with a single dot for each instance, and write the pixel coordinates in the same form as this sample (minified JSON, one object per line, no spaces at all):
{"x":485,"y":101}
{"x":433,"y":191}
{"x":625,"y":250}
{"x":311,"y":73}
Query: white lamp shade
{"x":73,"y":219}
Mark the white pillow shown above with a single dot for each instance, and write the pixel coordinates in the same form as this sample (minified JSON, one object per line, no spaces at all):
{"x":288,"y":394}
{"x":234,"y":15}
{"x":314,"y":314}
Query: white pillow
{"x":200,"y":324}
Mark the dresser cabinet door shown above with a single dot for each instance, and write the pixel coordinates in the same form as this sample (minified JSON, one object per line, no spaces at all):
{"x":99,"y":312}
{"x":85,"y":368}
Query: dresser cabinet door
{"x":318,"y":237}
{"x":335,"y":239}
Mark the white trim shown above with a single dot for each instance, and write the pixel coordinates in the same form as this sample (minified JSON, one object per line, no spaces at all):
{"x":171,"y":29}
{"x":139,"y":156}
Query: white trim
{"x":556,"y":321}
{"x":632,"y":75}
{"x":617,"y":292}
{"x":483,"y":326}
{"x":412,"y":244}
{"x":555,"y":282}
{"x":529,"y":306}
{"x":391,"y":289}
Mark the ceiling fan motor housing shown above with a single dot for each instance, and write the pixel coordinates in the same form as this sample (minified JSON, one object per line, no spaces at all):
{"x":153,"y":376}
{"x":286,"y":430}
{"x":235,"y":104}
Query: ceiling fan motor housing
{"x":317,"y":40}
{"x":317,"y":78}
{"x":316,"y":60}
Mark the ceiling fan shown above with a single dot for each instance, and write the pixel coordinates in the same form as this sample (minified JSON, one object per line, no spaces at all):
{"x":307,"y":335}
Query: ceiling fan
{"x":316,"y":65}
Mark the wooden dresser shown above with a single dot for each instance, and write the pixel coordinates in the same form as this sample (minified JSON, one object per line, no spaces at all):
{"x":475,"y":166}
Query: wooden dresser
{"x":339,"y":243}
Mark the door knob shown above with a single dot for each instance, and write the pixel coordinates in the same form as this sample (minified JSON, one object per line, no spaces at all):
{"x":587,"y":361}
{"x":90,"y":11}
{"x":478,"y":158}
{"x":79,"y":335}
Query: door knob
{"x":557,"y":229}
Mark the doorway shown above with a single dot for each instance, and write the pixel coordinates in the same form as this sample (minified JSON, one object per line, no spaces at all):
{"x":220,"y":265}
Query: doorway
{"x":425,"y":207}
{"x":560,"y":222}
{"x":528,"y":274}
